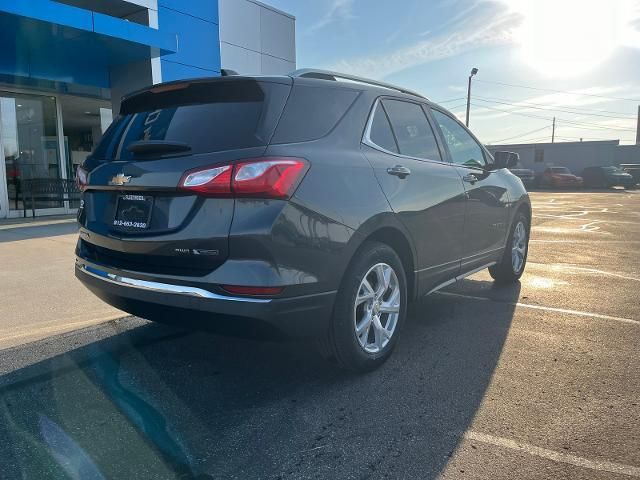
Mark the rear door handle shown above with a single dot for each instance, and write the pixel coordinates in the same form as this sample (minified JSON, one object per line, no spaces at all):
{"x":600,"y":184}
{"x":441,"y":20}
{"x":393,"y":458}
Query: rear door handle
{"x":399,"y":171}
{"x":470,"y":178}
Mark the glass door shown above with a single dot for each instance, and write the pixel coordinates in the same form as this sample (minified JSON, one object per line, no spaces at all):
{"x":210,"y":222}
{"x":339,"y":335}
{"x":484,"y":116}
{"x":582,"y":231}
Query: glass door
{"x":30,"y":148}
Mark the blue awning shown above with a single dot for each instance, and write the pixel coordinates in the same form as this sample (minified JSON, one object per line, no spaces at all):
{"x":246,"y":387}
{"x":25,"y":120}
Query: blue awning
{"x":45,"y":39}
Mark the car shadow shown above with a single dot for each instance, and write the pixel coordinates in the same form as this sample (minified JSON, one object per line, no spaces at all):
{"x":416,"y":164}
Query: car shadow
{"x":156,"y":402}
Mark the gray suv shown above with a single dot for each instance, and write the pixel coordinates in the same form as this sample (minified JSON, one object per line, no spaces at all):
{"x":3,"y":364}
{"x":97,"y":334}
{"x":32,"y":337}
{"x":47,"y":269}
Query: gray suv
{"x":293,"y":206}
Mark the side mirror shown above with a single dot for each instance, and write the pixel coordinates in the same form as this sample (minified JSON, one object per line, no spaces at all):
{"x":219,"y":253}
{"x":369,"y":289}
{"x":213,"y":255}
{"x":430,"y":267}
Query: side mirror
{"x":505,"y":160}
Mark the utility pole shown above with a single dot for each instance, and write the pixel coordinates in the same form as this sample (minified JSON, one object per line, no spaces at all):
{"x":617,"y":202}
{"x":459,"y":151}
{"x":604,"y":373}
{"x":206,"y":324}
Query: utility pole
{"x":553,"y":131}
{"x":638,"y":128}
{"x":473,"y":72}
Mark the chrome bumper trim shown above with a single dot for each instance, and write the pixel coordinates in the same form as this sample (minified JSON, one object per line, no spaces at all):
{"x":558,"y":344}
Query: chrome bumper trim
{"x":162,"y":287}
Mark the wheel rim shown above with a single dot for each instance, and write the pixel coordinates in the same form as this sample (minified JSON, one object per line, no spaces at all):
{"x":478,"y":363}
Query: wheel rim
{"x":377,"y":308}
{"x":518,"y":247}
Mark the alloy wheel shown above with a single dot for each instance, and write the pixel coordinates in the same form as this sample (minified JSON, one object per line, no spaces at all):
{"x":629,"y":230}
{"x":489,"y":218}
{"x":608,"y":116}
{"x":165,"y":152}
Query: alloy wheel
{"x":518,"y":247}
{"x":377,"y":308}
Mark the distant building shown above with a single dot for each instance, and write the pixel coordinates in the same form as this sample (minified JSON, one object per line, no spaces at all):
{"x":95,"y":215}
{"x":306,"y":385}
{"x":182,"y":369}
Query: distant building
{"x":65,"y":64}
{"x":574,"y":155}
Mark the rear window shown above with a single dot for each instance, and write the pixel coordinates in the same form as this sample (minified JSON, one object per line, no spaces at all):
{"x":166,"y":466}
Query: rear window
{"x":312,"y":112}
{"x":412,"y":130}
{"x":208,"y":116}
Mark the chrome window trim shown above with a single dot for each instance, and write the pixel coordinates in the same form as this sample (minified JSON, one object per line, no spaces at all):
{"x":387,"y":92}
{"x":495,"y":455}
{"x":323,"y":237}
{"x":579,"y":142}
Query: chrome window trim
{"x":367,"y":134}
{"x":486,"y":252}
{"x":162,"y":287}
{"x":437,"y":266}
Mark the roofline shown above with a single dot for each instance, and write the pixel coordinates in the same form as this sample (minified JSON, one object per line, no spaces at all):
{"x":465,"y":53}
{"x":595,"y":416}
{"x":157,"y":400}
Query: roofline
{"x":273,"y":9}
{"x":322,"y":74}
{"x":546,"y":144}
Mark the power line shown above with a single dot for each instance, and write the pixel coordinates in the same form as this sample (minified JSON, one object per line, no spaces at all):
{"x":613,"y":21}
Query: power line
{"x":452,"y":100}
{"x":594,"y":138}
{"x":570,"y":107}
{"x":586,"y":126}
{"x":513,"y":113}
{"x":560,"y":91}
{"x":451,"y":109}
{"x":526,"y":140}
{"x":548,"y":108}
{"x":521,"y":135}
{"x":595,"y":126}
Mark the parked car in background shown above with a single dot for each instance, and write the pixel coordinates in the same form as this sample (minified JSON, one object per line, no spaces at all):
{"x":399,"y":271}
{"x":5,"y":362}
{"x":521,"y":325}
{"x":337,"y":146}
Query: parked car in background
{"x":315,"y":208}
{"x":527,"y":176}
{"x":559,"y":177}
{"x":632,"y":169}
{"x":606,"y":177}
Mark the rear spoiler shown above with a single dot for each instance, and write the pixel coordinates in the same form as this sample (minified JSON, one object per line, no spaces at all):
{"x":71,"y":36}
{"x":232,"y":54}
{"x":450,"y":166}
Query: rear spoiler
{"x":134,"y":102}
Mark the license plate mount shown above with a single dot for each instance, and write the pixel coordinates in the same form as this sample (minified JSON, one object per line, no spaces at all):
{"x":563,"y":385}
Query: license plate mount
{"x":133,"y":212}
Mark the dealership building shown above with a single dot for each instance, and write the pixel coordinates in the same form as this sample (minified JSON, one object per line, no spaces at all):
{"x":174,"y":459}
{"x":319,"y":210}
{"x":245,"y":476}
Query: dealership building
{"x":65,"y":64}
{"x":576,"y":156}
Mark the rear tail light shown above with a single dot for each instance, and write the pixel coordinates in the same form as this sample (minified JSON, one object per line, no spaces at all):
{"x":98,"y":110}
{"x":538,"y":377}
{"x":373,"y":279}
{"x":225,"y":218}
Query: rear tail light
{"x":209,"y":181}
{"x":254,"y":291}
{"x":82,"y":178}
{"x":269,"y":177}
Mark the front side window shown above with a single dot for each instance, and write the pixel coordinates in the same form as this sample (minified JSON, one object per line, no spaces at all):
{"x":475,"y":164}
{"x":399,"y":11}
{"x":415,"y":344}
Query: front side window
{"x":464,"y":149}
{"x":412,"y":130}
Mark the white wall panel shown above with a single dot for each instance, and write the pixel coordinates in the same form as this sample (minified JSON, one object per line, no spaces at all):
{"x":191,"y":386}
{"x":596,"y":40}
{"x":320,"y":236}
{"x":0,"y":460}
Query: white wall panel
{"x":278,"y":35}
{"x":240,"y":23}
{"x":243,"y":61}
{"x":256,"y":38}
{"x":276,"y":66}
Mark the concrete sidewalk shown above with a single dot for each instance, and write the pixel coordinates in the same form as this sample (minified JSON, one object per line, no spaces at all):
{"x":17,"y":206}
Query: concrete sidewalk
{"x":40,"y":295}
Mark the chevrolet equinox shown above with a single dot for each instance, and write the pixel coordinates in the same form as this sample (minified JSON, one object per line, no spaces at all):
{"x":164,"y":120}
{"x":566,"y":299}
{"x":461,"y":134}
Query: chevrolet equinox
{"x":310,"y":205}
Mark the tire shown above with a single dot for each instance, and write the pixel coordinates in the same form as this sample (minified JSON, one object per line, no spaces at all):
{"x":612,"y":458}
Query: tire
{"x":507,"y":271}
{"x":366,"y":352}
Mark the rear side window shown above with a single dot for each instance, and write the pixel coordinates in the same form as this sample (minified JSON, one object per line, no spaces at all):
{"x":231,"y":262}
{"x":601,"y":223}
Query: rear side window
{"x":380,"y":132}
{"x":312,"y":112}
{"x":412,"y":130}
{"x":209,"y":117}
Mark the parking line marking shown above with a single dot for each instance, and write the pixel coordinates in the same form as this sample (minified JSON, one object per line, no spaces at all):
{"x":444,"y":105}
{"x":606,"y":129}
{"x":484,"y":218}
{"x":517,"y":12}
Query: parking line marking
{"x":576,"y":270}
{"x":583,"y":241}
{"x":62,"y":328}
{"x":44,"y":223}
{"x":548,"y":309}
{"x":560,"y":457}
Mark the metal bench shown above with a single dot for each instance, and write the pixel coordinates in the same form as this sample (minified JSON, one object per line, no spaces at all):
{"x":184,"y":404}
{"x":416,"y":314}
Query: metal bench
{"x":47,"y":189}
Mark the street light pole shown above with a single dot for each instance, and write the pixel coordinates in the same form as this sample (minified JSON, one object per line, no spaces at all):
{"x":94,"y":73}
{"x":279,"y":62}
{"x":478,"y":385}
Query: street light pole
{"x":473,"y":72}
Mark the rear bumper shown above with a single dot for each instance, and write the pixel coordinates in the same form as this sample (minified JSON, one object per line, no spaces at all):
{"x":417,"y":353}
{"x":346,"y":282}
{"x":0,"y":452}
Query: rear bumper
{"x":202,"y":309}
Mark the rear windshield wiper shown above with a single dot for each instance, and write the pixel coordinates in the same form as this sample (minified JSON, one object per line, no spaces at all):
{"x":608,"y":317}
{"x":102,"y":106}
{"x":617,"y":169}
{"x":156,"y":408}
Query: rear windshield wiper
{"x":157,"y":146}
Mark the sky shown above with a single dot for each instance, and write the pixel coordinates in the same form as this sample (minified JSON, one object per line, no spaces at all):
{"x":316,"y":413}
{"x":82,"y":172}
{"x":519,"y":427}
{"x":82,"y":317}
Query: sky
{"x":590,"y":48}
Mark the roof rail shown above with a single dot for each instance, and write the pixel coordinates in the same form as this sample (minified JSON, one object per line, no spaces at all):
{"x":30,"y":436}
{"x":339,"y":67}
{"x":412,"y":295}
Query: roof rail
{"x":334,"y":76}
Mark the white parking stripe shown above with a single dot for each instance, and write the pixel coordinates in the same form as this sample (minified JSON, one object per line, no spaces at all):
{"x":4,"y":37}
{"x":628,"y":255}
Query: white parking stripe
{"x":548,"y":309}
{"x":560,"y":457}
{"x":592,"y":242}
{"x":575,"y":269}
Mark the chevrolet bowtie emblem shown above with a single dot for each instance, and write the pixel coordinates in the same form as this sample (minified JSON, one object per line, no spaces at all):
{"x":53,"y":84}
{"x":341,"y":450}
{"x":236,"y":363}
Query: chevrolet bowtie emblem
{"x":120,"y":179}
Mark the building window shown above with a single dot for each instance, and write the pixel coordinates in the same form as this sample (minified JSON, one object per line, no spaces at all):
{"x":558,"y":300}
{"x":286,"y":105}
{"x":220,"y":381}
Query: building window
{"x":539,"y":155}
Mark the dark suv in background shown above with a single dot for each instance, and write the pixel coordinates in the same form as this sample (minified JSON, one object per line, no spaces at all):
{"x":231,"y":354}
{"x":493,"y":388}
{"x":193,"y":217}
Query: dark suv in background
{"x":300,"y":205}
{"x":607,"y":177}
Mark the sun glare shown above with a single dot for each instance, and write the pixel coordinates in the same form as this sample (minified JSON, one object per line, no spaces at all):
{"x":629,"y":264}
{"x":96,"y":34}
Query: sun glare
{"x":562,"y":38}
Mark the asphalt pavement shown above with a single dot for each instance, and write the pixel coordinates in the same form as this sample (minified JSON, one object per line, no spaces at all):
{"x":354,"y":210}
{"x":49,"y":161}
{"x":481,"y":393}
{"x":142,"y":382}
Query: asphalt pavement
{"x":540,"y":380}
